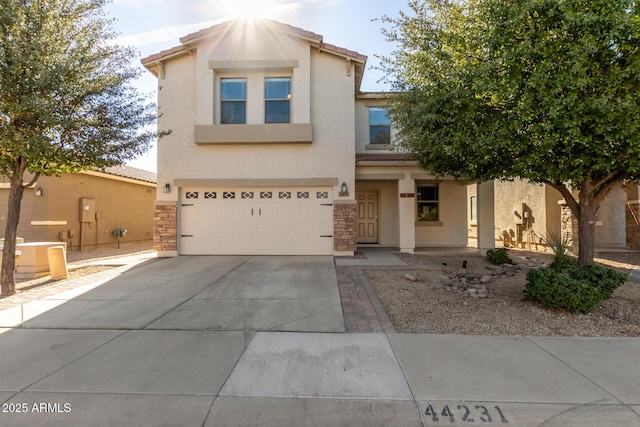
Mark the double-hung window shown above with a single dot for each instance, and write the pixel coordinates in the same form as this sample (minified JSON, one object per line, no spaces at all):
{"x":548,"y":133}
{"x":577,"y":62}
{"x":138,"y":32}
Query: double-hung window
{"x":427,"y":201}
{"x":233,"y":101}
{"x":379,"y":126}
{"x":277,"y":100}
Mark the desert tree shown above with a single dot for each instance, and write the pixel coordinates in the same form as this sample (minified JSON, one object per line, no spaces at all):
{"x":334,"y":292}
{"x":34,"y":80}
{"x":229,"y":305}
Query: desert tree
{"x":67,"y":102}
{"x":542,"y":90}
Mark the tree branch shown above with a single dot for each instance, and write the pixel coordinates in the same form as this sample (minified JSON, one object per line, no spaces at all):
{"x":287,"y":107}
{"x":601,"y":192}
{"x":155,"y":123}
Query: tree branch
{"x":568,"y":196}
{"x":613,"y":176}
{"x":604,"y":187}
{"x":33,"y":180}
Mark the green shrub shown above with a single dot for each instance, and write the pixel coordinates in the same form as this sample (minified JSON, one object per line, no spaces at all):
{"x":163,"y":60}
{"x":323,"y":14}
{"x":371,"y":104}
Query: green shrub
{"x":574,"y":288}
{"x":605,"y":279}
{"x":499,"y":256}
{"x":564,"y":262}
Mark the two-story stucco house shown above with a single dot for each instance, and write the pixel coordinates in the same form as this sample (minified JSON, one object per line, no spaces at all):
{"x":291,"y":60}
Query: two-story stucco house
{"x":275,"y":150}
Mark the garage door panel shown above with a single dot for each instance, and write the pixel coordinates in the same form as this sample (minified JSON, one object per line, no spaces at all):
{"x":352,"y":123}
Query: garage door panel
{"x":249,"y":221}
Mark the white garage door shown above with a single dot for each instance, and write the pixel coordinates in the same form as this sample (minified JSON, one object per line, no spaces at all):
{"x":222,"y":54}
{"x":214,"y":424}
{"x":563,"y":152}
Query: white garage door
{"x":256,"y":221}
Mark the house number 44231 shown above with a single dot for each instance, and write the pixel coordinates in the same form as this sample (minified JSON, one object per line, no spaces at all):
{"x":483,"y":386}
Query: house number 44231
{"x":468,"y":414}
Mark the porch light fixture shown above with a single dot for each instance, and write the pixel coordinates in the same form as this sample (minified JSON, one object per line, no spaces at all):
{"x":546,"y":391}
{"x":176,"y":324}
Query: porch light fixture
{"x":167,"y":188}
{"x":344,"y":190}
{"x":38,"y":192}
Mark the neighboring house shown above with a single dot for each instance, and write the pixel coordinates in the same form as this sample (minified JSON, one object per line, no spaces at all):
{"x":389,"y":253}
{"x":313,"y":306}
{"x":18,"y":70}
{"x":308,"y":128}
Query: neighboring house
{"x":85,"y":209}
{"x":275,"y":150}
{"x":527,"y":213}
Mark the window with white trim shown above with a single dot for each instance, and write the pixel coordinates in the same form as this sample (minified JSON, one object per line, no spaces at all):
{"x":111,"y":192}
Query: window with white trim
{"x":379,"y":126}
{"x":233,"y":101}
{"x":277,"y":99}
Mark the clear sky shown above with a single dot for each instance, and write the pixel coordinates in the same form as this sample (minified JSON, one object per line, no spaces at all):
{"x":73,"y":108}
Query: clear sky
{"x":154,"y":25}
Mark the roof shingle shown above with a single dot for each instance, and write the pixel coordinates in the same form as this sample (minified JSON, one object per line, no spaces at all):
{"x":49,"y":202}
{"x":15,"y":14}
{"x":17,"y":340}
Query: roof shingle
{"x":131,"y":173}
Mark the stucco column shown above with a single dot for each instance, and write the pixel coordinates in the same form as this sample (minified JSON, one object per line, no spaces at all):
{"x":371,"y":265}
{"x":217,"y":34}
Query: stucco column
{"x":407,"y":214}
{"x":486,"y":217}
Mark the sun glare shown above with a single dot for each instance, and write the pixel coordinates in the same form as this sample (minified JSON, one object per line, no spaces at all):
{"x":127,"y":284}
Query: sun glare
{"x":252,"y":9}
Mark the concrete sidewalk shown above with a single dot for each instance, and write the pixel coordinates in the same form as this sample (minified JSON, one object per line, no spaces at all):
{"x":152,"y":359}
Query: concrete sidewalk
{"x":140,"y":345}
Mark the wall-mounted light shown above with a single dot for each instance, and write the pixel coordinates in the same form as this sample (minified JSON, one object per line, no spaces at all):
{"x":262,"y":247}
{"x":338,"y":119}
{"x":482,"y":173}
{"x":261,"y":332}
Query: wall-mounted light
{"x":166,"y":188}
{"x":38,"y":192}
{"x":86,"y":207}
{"x":344,"y":190}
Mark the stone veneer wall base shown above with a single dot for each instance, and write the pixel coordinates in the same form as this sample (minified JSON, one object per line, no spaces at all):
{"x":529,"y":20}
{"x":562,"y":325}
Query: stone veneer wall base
{"x":165,"y":230}
{"x":345,"y":226}
{"x":569,"y":226}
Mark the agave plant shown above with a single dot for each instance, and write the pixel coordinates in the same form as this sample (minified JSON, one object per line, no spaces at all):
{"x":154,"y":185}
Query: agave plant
{"x":559,"y":245}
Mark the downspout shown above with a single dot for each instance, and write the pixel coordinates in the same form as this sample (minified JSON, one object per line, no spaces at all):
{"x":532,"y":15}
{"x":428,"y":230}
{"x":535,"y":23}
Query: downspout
{"x":81,"y":236}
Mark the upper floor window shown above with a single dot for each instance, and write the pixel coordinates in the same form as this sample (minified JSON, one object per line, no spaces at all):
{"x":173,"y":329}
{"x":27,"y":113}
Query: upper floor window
{"x":427,"y":202}
{"x":277,"y":100}
{"x":379,"y":126}
{"x":233,"y":101}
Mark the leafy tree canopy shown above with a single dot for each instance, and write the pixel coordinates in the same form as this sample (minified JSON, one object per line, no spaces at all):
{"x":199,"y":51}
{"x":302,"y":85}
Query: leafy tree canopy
{"x":544,"y":90}
{"x":66,"y":99}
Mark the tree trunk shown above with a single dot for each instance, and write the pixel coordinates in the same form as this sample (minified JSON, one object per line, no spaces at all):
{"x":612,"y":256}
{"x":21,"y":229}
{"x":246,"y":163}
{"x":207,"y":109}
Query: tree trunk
{"x":585,"y":210}
{"x":586,"y":226}
{"x":7,"y":275}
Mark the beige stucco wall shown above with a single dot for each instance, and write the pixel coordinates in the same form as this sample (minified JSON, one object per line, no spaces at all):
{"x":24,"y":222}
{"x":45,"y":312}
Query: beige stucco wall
{"x":545,"y":211}
{"x":611,"y":226}
{"x":118,"y":202}
{"x":540,"y":203}
{"x":29,"y":205}
{"x":176,"y":107}
{"x":554,"y":209}
{"x":321,"y":82}
{"x":452,"y":227}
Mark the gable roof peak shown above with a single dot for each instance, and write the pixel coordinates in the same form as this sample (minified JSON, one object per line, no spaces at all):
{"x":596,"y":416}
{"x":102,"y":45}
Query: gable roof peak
{"x":155,"y":62}
{"x":190,"y":40}
{"x":263,"y":22}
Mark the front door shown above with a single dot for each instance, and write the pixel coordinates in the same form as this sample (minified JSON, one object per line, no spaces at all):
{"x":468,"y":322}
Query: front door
{"x":367,"y":216}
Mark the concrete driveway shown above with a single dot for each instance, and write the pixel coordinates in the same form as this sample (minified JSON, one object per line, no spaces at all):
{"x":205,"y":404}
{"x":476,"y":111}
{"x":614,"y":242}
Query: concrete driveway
{"x":155,"y":344}
{"x":231,"y":293}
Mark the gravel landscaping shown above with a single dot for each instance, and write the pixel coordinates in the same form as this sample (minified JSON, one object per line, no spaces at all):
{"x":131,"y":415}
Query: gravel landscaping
{"x":438,"y":295}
